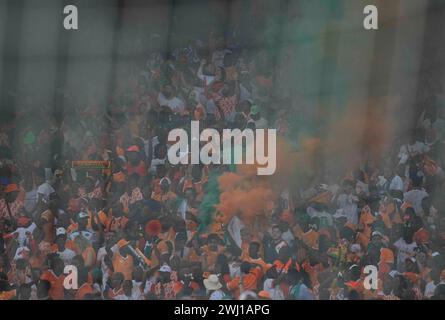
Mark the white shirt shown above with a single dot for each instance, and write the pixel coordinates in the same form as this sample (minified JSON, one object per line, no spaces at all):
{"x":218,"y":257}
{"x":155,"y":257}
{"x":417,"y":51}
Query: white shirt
{"x":412,"y":149}
{"x":404,"y":250}
{"x":66,"y":255}
{"x":275,"y":292}
{"x":175,"y":104}
{"x":21,"y":238}
{"x":415,"y":197}
{"x":348,"y":203}
{"x":30,"y":200}
{"x":396,"y":183}
{"x":45,"y":189}
{"x":216,"y":295}
{"x":430,"y":288}
{"x":136,"y":293}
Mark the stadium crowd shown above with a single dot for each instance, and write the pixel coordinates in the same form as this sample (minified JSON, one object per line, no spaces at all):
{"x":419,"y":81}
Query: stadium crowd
{"x":133,"y":230}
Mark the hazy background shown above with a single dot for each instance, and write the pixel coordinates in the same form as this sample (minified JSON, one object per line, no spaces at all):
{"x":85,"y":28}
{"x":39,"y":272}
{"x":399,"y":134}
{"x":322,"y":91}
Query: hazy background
{"x":331,"y":71}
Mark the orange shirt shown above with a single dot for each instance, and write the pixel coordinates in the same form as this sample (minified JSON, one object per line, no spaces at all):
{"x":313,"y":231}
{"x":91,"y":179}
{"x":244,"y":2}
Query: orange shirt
{"x":83,"y":290}
{"x":310,"y":238}
{"x":7,"y":295}
{"x":264,"y":266}
{"x":123,"y":265}
{"x":89,"y":256}
{"x":57,"y":290}
{"x":248,"y":282}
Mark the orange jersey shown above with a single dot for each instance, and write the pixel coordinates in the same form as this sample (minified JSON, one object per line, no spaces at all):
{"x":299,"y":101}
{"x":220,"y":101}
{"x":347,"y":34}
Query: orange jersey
{"x":247,"y":282}
{"x":123,"y":265}
{"x":57,"y":290}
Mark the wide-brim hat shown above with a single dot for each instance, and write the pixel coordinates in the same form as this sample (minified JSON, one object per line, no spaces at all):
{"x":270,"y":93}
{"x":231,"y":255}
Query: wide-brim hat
{"x":212,"y":282}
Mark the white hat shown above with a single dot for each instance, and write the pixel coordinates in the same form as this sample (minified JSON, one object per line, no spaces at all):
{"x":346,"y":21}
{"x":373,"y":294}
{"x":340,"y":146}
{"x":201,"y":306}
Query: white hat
{"x":165,"y":268}
{"x":355,"y":248}
{"x":82,"y":215}
{"x":212,"y":282}
{"x":376,"y":233}
{"x":60,"y":231}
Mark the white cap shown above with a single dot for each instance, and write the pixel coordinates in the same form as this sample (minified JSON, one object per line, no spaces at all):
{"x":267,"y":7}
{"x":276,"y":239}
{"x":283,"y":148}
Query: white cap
{"x":60,"y":231}
{"x":376,"y":233}
{"x":355,"y":248}
{"x":165,"y":268}
{"x":82,"y":215}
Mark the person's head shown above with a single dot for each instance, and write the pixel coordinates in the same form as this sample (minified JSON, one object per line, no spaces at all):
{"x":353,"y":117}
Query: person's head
{"x":116,"y":280}
{"x":168,"y":91}
{"x":439,"y":293}
{"x":272,"y":273}
{"x":213,"y":241}
{"x":293,"y":276}
{"x":245,"y":267}
{"x":165,"y":273}
{"x":284,"y":254}
{"x":376,"y":238}
{"x":348,"y":186}
{"x":220,"y":74}
{"x":160,"y":151}
{"x":408,"y":235}
{"x":354,"y":273}
{"x":388,"y":283}
{"x":43,"y":287}
{"x":254,"y":250}
{"x":138,"y":274}
{"x":411,"y":265}
{"x":190,"y":194}
{"x":127,"y":286}
{"x":82,"y":220}
{"x":276,"y":233}
{"x":124,"y":250}
{"x":387,"y":172}
{"x":164,"y":183}
{"x":245,"y":106}
{"x":61,"y":241}
{"x":57,"y":265}
{"x":12,"y":192}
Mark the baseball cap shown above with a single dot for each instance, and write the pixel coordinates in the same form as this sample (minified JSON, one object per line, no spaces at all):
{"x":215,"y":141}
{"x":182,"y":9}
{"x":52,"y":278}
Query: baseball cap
{"x":165,"y":268}
{"x":60,"y":231}
{"x":82,"y":215}
{"x":376,"y":233}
